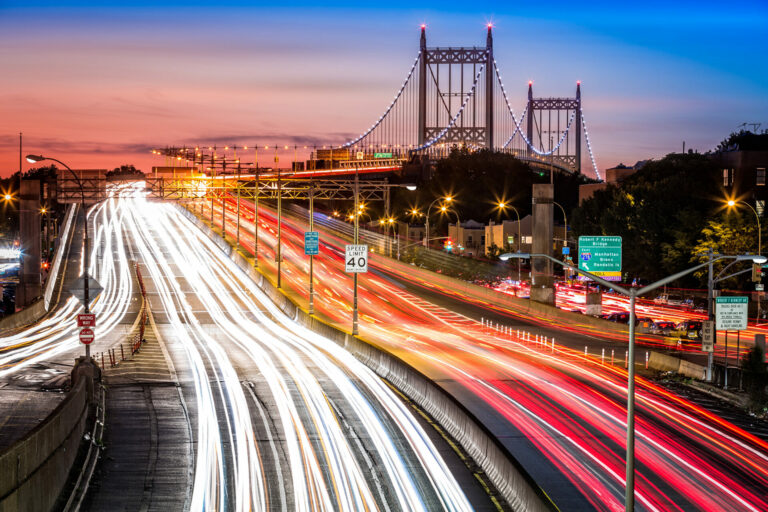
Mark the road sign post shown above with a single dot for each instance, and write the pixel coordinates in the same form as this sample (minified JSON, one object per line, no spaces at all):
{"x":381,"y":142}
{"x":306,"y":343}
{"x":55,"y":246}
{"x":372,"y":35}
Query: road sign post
{"x":356,"y":258}
{"x":730,"y":315}
{"x":311,"y":243}
{"x":601,"y":256}
{"x":86,"y":320}
{"x":708,"y":336}
{"x":86,"y":336}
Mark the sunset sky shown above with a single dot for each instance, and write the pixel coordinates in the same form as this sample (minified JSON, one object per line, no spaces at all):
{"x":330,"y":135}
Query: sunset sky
{"x":97,"y":84}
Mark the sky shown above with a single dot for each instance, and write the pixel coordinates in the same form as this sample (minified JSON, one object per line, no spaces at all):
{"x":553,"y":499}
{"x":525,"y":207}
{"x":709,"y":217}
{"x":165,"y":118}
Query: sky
{"x":98,"y":84}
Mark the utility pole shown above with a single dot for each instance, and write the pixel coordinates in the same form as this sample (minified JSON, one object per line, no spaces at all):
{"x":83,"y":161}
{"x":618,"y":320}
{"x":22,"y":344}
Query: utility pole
{"x":356,"y":212}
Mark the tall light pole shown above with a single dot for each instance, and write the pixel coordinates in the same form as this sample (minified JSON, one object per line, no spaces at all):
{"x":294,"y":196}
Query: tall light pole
{"x":447,"y":199}
{"x":311,"y":256}
{"x":502,"y":205}
{"x":731,"y":204}
{"x":356,"y":213}
{"x":86,"y":256}
{"x":632,"y":293}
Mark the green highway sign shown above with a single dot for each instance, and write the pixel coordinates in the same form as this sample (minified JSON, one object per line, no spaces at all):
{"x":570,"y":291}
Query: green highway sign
{"x":601,"y":255}
{"x":731,"y":313}
{"x":382,"y":155}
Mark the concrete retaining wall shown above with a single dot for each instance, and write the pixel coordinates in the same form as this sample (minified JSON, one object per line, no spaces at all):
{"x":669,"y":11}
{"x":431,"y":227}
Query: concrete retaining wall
{"x":34,"y":470}
{"x":506,"y":474}
{"x":665,"y":363}
{"x":40,"y":307}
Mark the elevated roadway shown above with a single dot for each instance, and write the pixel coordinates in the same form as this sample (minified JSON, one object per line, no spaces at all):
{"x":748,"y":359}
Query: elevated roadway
{"x":562,"y":414}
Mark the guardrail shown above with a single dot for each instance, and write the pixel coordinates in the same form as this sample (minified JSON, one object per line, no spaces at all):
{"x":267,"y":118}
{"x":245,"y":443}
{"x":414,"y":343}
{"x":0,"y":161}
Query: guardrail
{"x":117,"y":354}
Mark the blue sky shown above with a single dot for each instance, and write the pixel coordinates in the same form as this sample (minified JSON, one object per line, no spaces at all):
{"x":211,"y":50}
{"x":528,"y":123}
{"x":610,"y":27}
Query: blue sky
{"x":652,"y":74}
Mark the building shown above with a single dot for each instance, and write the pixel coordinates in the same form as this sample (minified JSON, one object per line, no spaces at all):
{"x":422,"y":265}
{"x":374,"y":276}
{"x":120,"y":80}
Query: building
{"x":468,"y":237}
{"x":613,"y":176}
{"x":508,"y":237}
{"x":744,"y":164}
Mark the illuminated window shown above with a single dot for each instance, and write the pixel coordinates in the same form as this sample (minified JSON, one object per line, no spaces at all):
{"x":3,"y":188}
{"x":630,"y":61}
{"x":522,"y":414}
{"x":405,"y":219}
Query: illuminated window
{"x":760,"y":176}
{"x":727,"y":177}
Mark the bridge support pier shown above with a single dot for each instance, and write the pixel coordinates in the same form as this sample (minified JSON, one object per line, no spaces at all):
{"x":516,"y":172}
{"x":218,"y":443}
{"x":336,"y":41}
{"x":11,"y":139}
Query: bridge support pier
{"x":29,"y":287}
{"x":542,"y":278}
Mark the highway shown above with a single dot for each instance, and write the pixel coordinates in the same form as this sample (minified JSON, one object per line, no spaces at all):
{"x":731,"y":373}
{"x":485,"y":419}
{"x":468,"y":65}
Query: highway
{"x":282,"y":418}
{"x":39,"y":357}
{"x":562,"y":415}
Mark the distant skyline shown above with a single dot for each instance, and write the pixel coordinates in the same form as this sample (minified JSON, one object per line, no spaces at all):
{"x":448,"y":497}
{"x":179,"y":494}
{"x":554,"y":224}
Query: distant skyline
{"x":97,"y":84}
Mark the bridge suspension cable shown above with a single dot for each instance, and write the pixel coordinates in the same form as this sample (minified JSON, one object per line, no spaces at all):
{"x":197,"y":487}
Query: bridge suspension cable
{"x":389,"y":109}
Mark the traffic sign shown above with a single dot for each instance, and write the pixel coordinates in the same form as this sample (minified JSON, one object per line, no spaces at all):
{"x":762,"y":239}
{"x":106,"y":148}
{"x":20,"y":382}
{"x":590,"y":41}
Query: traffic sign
{"x":360,"y":155}
{"x":311,"y":243}
{"x":86,"y":320}
{"x":86,"y":336}
{"x":601,"y":255}
{"x":77,"y":289}
{"x":356,"y":258}
{"x":731,"y":313}
{"x":566,"y":250}
{"x":382,"y":155}
{"x":759,"y":287}
{"x":707,"y":336}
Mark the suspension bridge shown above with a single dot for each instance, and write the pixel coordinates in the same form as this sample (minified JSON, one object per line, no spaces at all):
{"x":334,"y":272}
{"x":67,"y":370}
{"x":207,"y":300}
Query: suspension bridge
{"x":452,"y":97}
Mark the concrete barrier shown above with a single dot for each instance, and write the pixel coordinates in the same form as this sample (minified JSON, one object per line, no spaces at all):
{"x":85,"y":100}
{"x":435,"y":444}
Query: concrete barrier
{"x":666,"y":363}
{"x":34,"y":470}
{"x":509,"y":478}
{"x":40,"y":307}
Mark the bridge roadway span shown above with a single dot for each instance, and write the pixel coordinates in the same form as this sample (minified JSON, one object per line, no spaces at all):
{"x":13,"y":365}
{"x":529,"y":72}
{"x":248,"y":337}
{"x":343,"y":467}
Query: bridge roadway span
{"x":242,"y":408}
{"x":564,"y":418}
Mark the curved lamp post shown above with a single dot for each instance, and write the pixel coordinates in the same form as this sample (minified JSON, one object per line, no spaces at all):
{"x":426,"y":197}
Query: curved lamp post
{"x":33,"y":159}
{"x":447,"y":199}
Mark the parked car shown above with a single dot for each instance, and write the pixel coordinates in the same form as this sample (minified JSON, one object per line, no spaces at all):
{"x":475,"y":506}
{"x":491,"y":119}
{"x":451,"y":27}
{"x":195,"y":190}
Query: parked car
{"x":622,"y":318}
{"x":690,"y":329}
{"x":662,"y":327}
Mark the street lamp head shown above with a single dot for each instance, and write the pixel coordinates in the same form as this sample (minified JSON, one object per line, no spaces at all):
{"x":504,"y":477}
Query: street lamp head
{"x":755,"y":258}
{"x":448,"y":199}
{"x":8,"y":197}
{"x":443,"y":208}
{"x":33,"y":159}
{"x":731,"y":202}
{"x":410,"y":186}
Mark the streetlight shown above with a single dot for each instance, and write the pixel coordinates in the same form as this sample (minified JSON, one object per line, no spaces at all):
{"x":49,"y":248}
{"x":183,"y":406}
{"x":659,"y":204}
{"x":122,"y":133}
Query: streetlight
{"x":732,"y":204}
{"x":33,"y":159}
{"x":502,"y":205}
{"x":447,"y":199}
{"x":632,"y":293}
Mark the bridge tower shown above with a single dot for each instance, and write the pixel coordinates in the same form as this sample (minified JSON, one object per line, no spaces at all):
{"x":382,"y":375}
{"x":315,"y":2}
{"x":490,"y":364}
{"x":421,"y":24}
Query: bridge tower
{"x":460,"y":67}
{"x":544,"y":131}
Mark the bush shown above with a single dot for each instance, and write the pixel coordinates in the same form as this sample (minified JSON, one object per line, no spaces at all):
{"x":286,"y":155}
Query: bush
{"x":756,"y":379}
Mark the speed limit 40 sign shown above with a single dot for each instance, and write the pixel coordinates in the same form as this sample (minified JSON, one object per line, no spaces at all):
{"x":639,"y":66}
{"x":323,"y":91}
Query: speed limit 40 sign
{"x":356,"y":259}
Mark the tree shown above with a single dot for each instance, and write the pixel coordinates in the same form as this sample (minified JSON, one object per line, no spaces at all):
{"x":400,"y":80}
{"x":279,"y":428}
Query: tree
{"x":125,"y":170}
{"x":729,"y":233}
{"x":659,"y":212}
{"x":754,"y":367}
{"x":479,"y":180}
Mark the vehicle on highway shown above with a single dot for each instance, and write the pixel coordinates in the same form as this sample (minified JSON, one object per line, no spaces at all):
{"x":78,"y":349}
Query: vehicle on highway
{"x":689,"y":329}
{"x":622,"y":317}
{"x":662,"y":327}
